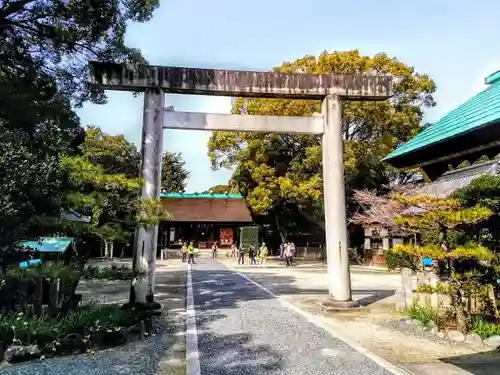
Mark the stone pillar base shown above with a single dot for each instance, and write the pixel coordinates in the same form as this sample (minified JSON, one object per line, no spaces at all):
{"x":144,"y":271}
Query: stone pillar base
{"x":329,"y":304}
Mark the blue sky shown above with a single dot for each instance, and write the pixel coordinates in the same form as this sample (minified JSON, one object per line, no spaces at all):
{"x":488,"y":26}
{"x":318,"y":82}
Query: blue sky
{"x":454,"y":41}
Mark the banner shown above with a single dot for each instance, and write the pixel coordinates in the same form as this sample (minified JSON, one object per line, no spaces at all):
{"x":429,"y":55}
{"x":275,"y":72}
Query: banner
{"x":226,"y":236}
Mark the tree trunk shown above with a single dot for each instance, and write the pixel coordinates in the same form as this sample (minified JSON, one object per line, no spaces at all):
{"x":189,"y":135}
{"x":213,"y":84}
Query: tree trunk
{"x":111,"y":247}
{"x":319,"y":223}
{"x":106,"y":249}
{"x":493,"y":302}
{"x":282,"y":234}
{"x":461,"y":316}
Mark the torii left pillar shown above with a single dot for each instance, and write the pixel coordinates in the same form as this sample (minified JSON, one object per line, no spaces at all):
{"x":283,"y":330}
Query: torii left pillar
{"x":146,"y":239}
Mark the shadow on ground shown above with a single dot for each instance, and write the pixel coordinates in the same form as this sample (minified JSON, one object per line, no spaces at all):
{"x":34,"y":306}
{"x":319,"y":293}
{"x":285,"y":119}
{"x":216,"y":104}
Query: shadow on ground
{"x":243,"y":358}
{"x":218,"y":290}
{"x":487,"y":363}
{"x":240,"y":355}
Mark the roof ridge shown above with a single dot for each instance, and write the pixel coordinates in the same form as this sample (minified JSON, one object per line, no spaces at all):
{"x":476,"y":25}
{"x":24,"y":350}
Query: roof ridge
{"x":493,"y":78}
{"x":478,"y":111}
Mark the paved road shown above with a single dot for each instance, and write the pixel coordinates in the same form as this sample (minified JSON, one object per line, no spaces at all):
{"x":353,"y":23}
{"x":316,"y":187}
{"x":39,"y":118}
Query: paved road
{"x":243,"y":330}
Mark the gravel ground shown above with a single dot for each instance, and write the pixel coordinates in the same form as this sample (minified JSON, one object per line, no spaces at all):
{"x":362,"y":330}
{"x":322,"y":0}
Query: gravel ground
{"x":242,"y":330}
{"x":134,"y":358}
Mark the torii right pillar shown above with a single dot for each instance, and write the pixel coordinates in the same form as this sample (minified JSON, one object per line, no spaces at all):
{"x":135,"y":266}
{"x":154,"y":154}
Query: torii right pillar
{"x":339,"y":278}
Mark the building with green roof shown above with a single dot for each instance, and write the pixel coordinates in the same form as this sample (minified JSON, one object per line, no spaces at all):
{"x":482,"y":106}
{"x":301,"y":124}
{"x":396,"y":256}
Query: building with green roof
{"x":468,"y":132}
{"x":203,"y":218}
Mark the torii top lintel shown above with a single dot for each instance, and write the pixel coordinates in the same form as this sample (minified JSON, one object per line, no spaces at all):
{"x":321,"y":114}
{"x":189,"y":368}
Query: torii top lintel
{"x":219,"y":82}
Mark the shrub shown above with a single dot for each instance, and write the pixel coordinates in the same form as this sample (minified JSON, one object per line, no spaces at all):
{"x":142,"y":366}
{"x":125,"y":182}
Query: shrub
{"x":424,"y":314}
{"x":88,"y":319}
{"x":48,"y":270}
{"x":396,"y":259}
{"x":112,"y":272}
{"x":356,"y":255}
{"x":54,"y":271}
{"x":427,"y":288}
{"x":484,"y":328}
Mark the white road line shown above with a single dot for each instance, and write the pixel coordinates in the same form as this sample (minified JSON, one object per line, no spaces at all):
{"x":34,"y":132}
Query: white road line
{"x":192,"y":354}
{"x":393,"y":369}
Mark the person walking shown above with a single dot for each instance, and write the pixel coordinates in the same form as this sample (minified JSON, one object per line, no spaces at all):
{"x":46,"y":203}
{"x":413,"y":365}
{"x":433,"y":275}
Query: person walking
{"x":251,"y":255}
{"x":263,"y":254}
{"x":184,"y":250}
{"x":233,"y":250}
{"x":190,"y":252}
{"x":287,"y":254}
{"x":241,"y":255}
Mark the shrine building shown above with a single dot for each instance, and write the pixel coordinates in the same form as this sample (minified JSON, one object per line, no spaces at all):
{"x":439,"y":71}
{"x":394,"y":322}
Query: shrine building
{"x":451,"y":153}
{"x":471,"y":132}
{"x":203,"y":219}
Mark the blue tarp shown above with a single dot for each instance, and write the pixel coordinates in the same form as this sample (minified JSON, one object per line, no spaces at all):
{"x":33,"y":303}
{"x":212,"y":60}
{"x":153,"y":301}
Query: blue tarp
{"x":427,"y":262}
{"x":30,"y":263}
{"x":49,"y":244}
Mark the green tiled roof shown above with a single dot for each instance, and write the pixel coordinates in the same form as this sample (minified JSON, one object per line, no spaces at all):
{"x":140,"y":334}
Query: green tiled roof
{"x":201,"y":195}
{"x":478,"y":111}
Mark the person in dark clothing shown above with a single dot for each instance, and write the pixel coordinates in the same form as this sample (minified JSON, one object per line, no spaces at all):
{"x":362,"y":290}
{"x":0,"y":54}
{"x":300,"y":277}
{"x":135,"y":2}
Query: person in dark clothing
{"x":214,"y":249}
{"x":190,"y":251}
{"x":251,"y":256}
{"x":241,"y":255}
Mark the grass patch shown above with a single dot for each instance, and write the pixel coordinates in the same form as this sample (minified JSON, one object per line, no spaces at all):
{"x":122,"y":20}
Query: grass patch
{"x":424,"y":314}
{"x":484,"y":328}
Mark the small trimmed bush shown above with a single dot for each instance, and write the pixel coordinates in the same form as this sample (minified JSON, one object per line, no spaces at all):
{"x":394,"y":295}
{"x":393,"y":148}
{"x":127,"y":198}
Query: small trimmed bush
{"x":395,"y":259}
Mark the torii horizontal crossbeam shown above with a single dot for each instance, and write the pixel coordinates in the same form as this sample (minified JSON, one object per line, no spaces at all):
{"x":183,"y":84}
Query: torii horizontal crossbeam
{"x":242,"y":123}
{"x":221,"y":82}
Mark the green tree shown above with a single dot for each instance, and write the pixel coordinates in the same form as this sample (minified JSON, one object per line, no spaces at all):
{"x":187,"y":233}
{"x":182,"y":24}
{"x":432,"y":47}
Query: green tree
{"x":105,"y":186}
{"x":229,"y":188}
{"x":113,"y":152}
{"x":37,"y":125}
{"x":484,"y":190}
{"x":468,"y":263}
{"x":280,"y":174}
{"x":174,"y":174}
{"x":45,"y":49}
{"x":58,"y":38}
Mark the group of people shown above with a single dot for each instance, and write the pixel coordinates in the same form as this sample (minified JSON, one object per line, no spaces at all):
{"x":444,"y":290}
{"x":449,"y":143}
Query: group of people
{"x":188,"y":252}
{"x":259,"y":254}
{"x":287,"y":252}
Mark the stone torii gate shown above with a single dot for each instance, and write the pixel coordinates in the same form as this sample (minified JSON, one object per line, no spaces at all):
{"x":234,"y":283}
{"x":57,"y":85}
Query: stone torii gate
{"x":155,"y":81}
